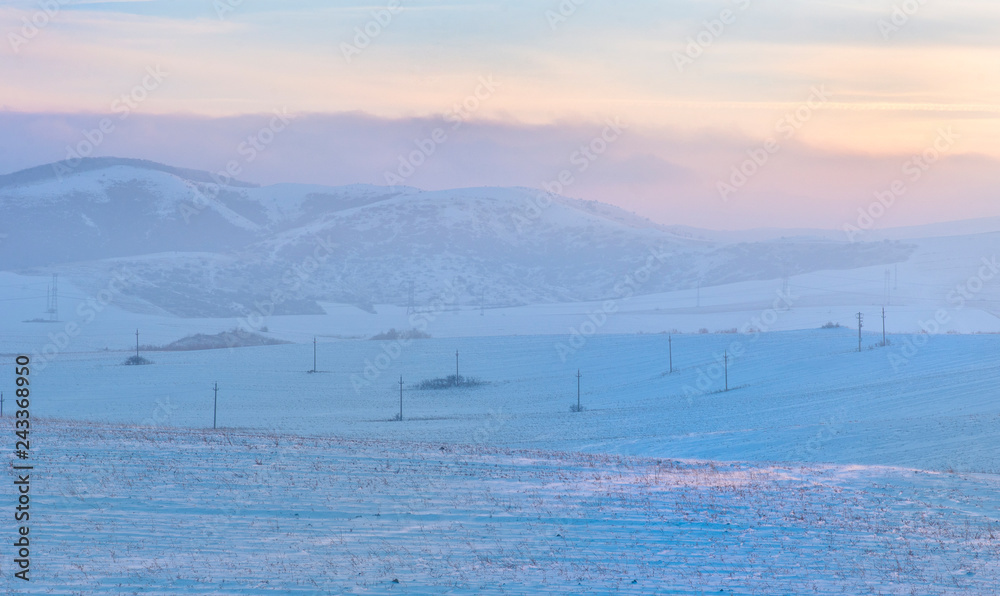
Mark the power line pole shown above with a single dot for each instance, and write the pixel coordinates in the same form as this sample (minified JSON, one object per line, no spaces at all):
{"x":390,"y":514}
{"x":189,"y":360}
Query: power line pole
{"x":726,"y":358}
{"x":215,"y":405}
{"x":578,"y":375}
{"x":670,"y":345}
{"x":137,"y":344}
{"x":314,"y":354}
{"x":1,"y":404}
{"x":456,"y":366}
{"x":883,"y":327}
{"x":52,"y":308}
{"x":860,"y":325}
{"x":400,"y":398}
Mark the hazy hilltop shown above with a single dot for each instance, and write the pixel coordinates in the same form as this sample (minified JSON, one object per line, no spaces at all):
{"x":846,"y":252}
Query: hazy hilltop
{"x":204,"y":250}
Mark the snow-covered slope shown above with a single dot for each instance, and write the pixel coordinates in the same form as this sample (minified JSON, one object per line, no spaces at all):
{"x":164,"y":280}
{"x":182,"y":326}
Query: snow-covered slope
{"x":197,"y":249}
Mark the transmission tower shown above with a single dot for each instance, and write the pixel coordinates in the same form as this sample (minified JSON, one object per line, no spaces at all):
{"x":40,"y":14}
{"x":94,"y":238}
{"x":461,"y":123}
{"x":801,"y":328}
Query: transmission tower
{"x":410,"y":305}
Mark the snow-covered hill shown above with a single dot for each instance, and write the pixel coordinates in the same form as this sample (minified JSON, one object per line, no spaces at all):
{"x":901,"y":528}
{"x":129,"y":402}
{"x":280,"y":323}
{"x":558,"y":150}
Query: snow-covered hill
{"x":198,"y":249}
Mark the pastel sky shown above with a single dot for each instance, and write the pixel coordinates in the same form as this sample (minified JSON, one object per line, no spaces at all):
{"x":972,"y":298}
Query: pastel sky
{"x":837,"y":95}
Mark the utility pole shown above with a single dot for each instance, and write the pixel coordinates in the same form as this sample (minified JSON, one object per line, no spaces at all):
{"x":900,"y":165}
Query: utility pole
{"x":137,"y":344}
{"x":726,"y":359}
{"x":400,"y":398}
{"x":53,"y":305}
{"x":456,"y":366}
{"x":215,"y":406}
{"x":670,"y":345}
{"x":883,"y":326}
{"x":578,"y":375}
{"x":1,"y":404}
{"x":860,"y":325}
{"x":314,"y":354}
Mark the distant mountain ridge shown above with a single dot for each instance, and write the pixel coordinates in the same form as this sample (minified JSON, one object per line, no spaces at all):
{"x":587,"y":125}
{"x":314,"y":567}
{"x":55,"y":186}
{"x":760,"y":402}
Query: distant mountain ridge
{"x":196,"y":252}
{"x":61,"y":168}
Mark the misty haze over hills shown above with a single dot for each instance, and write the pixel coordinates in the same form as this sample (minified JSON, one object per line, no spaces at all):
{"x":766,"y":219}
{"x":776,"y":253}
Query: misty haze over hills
{"x":198,"y":250}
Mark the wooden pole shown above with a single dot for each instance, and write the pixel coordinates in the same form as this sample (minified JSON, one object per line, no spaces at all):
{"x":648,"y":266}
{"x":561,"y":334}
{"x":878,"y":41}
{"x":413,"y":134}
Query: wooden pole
{"x":578,"y":409}
{"x":400,"y":398}
{"x":215,"y":405}
{"x":726,"y":356}
{"x":860,"y":324}
{"x":670,"y":344}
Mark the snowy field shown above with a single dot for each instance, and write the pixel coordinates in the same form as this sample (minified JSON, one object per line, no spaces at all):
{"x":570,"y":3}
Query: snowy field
{"x":140,"y":511}
{"x":928,"y":402}
{"x":822,"y":470}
